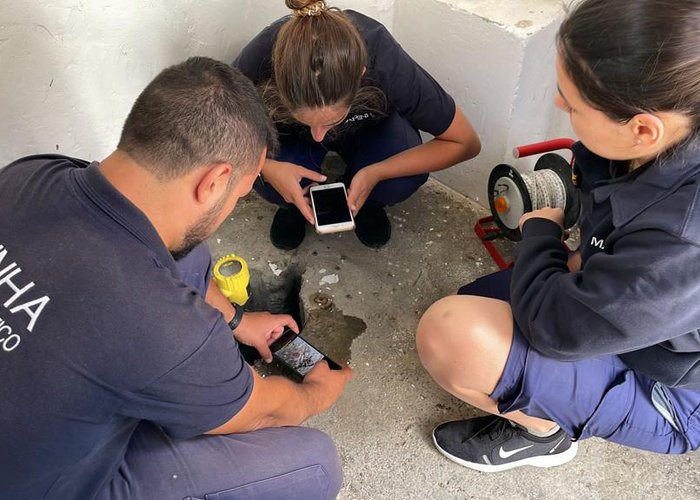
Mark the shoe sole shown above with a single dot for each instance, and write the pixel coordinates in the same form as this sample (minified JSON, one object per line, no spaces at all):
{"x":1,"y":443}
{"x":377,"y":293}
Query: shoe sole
{"x":540,"y":461}
{"x":284,"y":247}
{"x":373,"y":245}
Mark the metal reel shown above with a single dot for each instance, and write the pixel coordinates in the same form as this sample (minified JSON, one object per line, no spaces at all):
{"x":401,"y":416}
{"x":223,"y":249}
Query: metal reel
{"x":509,"y":199}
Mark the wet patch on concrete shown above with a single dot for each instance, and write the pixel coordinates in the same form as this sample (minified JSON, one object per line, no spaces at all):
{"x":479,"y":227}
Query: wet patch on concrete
{"x":322,"y":323}
{"x":330,"y":330}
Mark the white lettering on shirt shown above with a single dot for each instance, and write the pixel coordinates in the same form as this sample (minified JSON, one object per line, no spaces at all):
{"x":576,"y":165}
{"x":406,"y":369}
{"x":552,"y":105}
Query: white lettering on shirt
{"x":9,"y":278}
{"x":8,"y":340}
{"x":359,"y":117}
{"x":598,"y":243}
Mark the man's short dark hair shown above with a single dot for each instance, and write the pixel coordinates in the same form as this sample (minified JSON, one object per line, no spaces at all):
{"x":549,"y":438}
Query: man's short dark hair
{"x":195,"y":113}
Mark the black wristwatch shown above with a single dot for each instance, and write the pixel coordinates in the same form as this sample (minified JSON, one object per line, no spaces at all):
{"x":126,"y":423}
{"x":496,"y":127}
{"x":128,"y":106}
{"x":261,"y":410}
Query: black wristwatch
{"x":237,"y":316}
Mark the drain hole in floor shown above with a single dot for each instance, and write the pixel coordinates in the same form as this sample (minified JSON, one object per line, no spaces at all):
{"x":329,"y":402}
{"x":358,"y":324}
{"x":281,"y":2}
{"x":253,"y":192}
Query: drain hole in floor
{"x":326,"y":327}
{"x":277,"y":294}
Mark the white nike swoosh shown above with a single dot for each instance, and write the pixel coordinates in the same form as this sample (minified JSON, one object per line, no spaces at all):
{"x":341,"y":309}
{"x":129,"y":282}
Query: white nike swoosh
{"x":505,"y":454}
{"x":557,"y":445}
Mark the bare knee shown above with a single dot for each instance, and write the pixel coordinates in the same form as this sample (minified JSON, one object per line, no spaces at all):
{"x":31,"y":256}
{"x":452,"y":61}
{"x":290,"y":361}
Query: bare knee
{"x":464,"y":340}
{"x":434,"y":332}
{"x":450,"y":323}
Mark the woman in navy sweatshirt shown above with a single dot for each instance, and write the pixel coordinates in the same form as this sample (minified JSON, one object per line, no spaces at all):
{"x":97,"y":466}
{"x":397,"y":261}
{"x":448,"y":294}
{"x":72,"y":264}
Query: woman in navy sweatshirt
{"x":605,"y":342}
{"x":338,"y":81}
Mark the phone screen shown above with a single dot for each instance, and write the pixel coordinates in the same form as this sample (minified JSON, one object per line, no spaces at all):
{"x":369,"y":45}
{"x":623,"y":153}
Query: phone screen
{"x":299,"y":355}
{"x":331,"y":206}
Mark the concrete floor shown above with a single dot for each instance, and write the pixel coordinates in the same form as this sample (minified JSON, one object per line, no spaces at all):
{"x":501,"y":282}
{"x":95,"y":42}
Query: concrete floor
{"x":382,"y":424}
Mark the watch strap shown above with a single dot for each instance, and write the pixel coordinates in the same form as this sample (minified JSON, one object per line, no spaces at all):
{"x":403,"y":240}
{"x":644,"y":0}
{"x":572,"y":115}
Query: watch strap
{"x":237,"y":316}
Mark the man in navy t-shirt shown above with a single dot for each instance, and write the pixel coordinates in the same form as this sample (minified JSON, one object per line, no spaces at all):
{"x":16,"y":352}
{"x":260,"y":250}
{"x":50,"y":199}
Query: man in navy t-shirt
{"x":121,"y":376}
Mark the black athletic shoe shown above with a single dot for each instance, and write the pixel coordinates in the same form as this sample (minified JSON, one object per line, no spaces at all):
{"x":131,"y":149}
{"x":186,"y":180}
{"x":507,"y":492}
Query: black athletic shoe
{"x":493,"y":444}
{"x":288,"y":228}
{"x":372,"y":226}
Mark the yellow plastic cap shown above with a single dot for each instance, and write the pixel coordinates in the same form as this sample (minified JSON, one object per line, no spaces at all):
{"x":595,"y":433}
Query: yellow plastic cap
{"x":232,"y":276}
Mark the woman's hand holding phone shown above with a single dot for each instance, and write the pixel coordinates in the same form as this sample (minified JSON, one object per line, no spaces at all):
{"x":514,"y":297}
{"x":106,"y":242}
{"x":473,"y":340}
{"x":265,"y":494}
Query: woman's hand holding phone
{"x":325,"y":386}
{"x":329,"y":203}
{"x":361,"y":186}
{"x":286,"y":178}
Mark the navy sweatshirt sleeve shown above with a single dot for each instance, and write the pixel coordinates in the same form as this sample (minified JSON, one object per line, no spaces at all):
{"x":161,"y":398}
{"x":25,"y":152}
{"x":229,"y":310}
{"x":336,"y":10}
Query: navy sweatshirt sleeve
{"x":618,"y":305}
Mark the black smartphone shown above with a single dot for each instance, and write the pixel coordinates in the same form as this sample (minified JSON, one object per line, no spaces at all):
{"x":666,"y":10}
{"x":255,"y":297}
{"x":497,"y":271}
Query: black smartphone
{"x":297,"y":354}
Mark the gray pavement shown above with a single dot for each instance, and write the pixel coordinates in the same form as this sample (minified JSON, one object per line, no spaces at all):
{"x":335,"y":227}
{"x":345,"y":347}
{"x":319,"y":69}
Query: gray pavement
{"x":363,"y":305}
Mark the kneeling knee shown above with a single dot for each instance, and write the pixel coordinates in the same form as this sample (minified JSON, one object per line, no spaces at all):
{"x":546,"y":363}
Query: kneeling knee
{"x":464,"y":328}
{"x":445,"y":325}
{"x":325,"y":454}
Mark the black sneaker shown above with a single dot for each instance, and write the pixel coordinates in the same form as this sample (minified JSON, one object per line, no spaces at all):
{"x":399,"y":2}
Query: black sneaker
{"x":372,"y":226}
{"x":288,"y":228}
{"x":493,"y":444}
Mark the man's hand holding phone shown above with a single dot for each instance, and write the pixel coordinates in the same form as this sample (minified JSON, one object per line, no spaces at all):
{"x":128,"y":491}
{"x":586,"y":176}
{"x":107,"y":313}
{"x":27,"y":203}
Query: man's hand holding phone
{"x":324,"y":386}
{"x":277,"y":401}
{"x":261,"y":329}
{"x":323,"y":379}
{"x":286,"y":178}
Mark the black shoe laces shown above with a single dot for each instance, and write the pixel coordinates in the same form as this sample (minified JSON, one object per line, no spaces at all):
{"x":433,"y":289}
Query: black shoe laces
{"x":495,"y":429}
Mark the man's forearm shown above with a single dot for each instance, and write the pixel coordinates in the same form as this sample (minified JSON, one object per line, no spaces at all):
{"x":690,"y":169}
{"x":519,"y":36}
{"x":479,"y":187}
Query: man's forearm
{"x":275,"y":402}
{"x":292,"y":403}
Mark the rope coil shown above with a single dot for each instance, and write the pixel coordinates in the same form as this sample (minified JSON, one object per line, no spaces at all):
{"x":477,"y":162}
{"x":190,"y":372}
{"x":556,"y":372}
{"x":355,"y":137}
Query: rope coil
{"x":546,"y":189}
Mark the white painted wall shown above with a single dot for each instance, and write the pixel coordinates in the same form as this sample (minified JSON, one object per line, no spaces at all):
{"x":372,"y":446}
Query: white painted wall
{"x":496,"y":58}
{"x":71,"y":69}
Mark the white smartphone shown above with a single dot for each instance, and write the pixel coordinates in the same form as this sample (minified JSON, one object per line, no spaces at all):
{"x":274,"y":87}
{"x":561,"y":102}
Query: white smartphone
{"x":330,"y":206}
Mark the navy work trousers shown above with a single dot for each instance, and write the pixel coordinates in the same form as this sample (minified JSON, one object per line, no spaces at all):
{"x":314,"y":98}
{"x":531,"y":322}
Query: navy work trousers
{"x":373,"y":142}
{"x":286,"y":462}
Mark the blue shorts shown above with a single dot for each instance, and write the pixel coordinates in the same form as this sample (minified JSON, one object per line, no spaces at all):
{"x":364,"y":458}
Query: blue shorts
{"x":592,"y":397}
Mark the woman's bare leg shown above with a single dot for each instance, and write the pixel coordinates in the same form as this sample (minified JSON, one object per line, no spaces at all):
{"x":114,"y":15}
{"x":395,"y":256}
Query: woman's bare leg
{"x":463,"y":341}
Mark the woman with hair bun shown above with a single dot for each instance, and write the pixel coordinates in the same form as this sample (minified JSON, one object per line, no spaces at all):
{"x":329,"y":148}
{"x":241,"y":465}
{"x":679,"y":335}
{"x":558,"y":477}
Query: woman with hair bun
{"x":605,"y":342}
{"x":337,"y":80}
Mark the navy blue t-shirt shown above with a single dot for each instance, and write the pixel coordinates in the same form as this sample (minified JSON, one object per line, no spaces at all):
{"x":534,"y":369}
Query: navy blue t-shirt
{"x":409,"y":89}
{"x":97,"y":333}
